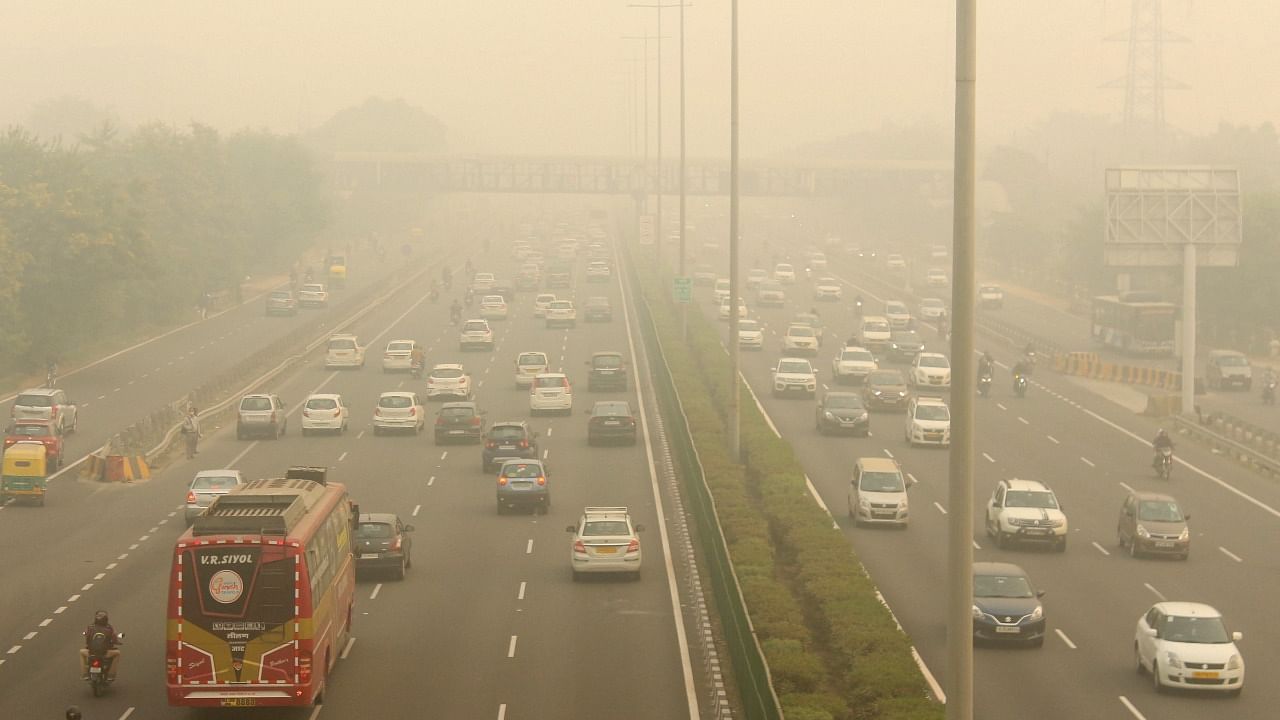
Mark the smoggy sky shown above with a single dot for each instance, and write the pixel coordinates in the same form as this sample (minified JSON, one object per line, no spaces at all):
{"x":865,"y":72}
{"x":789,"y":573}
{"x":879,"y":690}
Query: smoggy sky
{"x":554,"y":76}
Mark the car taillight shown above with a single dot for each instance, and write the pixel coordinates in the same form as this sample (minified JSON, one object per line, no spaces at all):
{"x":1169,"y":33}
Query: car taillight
{"x":395,"y":544}
{"x":502,"y":479}
{"x":490,"y":444}
{"x":475,"y":421}
{"x":439,"y":421}
{"x":306,"y":412}
{"x":413,"y":411}
{"x":633,"y":546}
{"x":377,"y":411}
{"x":524,"y":444}
{"x":191,"y":497}
{"x":542,"y":480}
{"x":578,"y":547}
{"x":273,"y":416}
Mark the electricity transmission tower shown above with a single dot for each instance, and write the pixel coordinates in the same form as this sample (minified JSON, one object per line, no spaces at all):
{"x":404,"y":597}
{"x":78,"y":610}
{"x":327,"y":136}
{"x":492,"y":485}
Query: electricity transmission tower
{"x":1144,"y":82}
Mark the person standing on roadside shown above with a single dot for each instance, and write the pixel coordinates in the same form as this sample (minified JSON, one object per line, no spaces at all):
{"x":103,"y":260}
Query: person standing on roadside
{"x":191,"y":432}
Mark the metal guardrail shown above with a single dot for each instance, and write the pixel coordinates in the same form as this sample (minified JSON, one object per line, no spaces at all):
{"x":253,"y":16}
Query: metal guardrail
{"x":1244,"y":442}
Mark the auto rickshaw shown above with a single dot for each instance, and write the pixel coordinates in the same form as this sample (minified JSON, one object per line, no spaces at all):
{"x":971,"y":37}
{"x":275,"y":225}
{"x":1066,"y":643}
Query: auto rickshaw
{"x":24,"y":472}
{"x":337,"y":265}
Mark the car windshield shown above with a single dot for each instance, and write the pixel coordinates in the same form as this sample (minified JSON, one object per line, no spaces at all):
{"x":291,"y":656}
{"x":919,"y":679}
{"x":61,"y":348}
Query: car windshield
{"x":1159,"y":511}
{"x":322,"y":404}
{"x":748,"y":326}
{"x":457,"y":412}
{"x":281,"y":295}
{"x":533,"y":359}
{"x":1232,"y":361}
{"x":313,"y":288}
{"x":31,"y":430}
{"x":493,"y":300}
{"x":615,"y":409}
{"x":846,"y":401}
{"x":1030,"y":499}
{"x":561,"y":305}
{"x":1175,"y":628}
{"x":858,"y":356}
{"x":544,"y":299}
{"x":399,"y":347}
{"x":1001,"y":586}
{"x":931,"y":303}
{"x":597,"y":528}
{"x":475,"y":327}
{"x":828,"y":281}
{"x":255,"y":403}
{"x":934,"y":362}
{"x":607,"y":361}
{"x":395,"y":401}
{"x":800,"y":331}
{"x":885,"y":377}
{"x":783,"y":267}
{"x":375,"y":531}
{"x":793,"y":366}
{"x":894,"y":308}
{"x":521,"y":470}
{"x":35,"y":401}
{"x":446,"y":374}
{"x":506,"y":432}
{"x":343,"y":344}
{"x":875,"y":326}
{"x":909,"y":336}
{"x":881,"y":482}
{"x":932,"y":412}
{"x":553,"y":381}
{"x":214,"y":482}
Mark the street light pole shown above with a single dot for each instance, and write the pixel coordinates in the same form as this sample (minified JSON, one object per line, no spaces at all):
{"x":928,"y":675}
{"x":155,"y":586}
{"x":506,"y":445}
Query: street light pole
{"x":684,"y":309}
{"x":645,"y":104}
{"x":735,"y":441}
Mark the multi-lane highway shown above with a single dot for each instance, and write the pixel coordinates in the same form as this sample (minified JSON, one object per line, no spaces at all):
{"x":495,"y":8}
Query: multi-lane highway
{"x":1091,"y":453}
{"x":487,"y":623}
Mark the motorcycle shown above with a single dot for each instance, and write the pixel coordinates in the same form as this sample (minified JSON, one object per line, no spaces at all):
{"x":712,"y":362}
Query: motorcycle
{"x":984,"y":385}
{"x":857,"y":308}
{"x":1164,"y":462}
{"x":415,"y":370}
{"x":448,"y":282}
{"x":435,"y":295}
{"x":469,"y":298}
{"x":1020,"y":385}
{"x":1030,"y":357}
{"x":1268,"y":393}
{"x":100,"y":666}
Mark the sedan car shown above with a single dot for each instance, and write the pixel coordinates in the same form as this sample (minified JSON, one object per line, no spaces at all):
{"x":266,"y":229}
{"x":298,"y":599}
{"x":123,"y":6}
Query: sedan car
{"x":561,"y":313}
{"x":828,"y":289}
{"x":605,"y":541}
{"x":383,"y":542}
{"x":991,"y":297}
{"x":523,"y":484}
{"x":550,"y":392}
{"x":794,"y":376}
{"x":885,"y":390}
{"x":852,"y":365}
{"x":611,"y":421}
{"x":1006,"y":606}
{"x":784,"y":273}
{"x":449,"y":380}
{"x":597,"y":309}
{"x":932,"y":308}
{"x":1026,"y":511}
{"x":475,"y":334}
{"x":324,"y":412}
{"x":459,"y":421}
{"x":313,"y":295}
{"x":398,"y":410}
{"x":1187,"y":645}
{"x":282,"y":302}
{"x":398,"y":356}
{"x":842,"y":412}
{"x":493,"y":307}
{"x":207,"y":486}
{"x":508,"y":440}
{"x":750,"y":335}
{"x":1153,"y":524}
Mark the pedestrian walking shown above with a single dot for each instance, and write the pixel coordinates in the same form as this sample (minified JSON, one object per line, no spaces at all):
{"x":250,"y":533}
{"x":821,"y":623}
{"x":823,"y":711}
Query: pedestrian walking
{"x":191,"y":432}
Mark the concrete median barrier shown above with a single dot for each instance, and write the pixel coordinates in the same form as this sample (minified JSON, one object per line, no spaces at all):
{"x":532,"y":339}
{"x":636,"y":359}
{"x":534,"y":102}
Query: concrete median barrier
{"x":1089,"y":365}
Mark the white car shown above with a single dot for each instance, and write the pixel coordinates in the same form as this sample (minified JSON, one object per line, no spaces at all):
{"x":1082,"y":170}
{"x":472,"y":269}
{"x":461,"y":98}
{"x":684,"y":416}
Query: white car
{"x":598,"y":271}
{"x":475,"y":333}
{"x":550,"y":392}
{"x":448,"y":380}
{"x":878,"y":493}
{"x":935,"y":277}
{"x":703,"y":275}
{"x":721,"y":290}
{"x":895,"y":262}
{"x":853,"y":364}
{"x":313,"y":295}
{"x":750,"y":335}
{"x":398,"y":355}
{"x":1025,"y":511}
{"x":482,"y":281}
{"x":795,"y":376}
{"x":493,"y":307}
{"x":528,"y":366}
{"x":784,"y":273}
{"x":541,"y":302}
{"x":828,"y":288}
{"x":897,"y":314}
{"x":724,"y":309}
{"x":928,"y":422}
{"x":876,"y":333}
{"x":756,"y":276}
{"x":770,"y":294}
{"x":344,"y":350}
{"x":931,"y":370}
{"x":800,"y":340}
{"x":399,"y":410}
{"x":938,"y":252}
{"x":817,"y":260}
{"x":605,"y":541}
{"x":561,"y":313}
{"x":50,"y":404}
{"x":1187,"y":645}
{"x":323,"y":412}
{"x":932,"y":308}
{"x":991,"y":296}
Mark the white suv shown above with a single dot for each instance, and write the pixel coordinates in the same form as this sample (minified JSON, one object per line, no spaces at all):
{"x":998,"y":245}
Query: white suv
{"x":46,"y":404}
{"x":344,"y":350}
{"x":528,"y":366}
{"x":928,"y":422}
{"x":1026,"y":511}
{"x":449,"y":380}
{"x":852,"y":365}
{"x":541,"y":302}
{"x":475,"y":333}
{"x":561,"y":313}
{"x":605,"y":541}
{"x":931,"y":370}
{"x":795,"y":375}
{"x":550,"y":392}
{"x":800,"y":339}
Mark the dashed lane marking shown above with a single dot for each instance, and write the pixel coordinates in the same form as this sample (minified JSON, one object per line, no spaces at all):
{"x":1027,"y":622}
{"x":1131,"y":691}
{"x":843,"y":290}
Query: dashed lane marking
{"x":416,"y":508}
{"x":376,"y":589}
{"x":1230,"y":554}
{"x":1087,"y":461}
{"x":1001,"y":406}
{"x":431,"y":481}
{"x":502,"y":712}
{"x":1101,"y":549}
{"x":347,"y":649}
{"x":1152,"y":589}
{"x":1132,"y":710}
{"x":988,"y":457}
{"x":1126,"y":486}
{"x":1065,"y":639}
{"x":45,"y":622}
{"x":940,"y":508}
{"x":60,"y":610}
{"x":528,"y":548}
{"x":30,"y":635}
{"x":1053,"y":440}
{"x":520,"y":594}
{"x":444,"y":454}
{"x":342,"y":457}
{"x":511,"y":647}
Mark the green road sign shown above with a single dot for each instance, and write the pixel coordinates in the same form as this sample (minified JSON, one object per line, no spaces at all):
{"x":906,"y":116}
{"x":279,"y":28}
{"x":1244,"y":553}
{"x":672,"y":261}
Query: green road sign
{"x":682,"y":289}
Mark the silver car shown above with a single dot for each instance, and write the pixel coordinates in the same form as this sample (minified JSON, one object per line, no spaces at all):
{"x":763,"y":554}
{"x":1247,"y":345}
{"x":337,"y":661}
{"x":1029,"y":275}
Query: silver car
{"x":208,"y":486}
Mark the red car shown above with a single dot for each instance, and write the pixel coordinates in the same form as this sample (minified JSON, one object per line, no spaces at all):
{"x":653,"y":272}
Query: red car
{"x":42,"y":431}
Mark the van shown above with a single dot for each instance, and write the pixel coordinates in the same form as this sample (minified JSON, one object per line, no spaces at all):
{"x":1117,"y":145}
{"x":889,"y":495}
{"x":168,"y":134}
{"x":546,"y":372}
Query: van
{"x":344,"y":350}
{"x":878,"y":493}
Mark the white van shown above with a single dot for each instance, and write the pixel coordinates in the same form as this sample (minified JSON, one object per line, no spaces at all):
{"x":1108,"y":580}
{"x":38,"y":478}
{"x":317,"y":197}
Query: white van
{"x":345,"y":350}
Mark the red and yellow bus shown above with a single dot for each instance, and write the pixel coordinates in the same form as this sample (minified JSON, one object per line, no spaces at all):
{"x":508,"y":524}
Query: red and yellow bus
{"x":261,"y":594}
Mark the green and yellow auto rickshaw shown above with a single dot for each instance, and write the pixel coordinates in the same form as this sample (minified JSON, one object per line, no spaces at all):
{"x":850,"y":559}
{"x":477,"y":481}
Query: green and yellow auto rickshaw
{"x":24,"y":473}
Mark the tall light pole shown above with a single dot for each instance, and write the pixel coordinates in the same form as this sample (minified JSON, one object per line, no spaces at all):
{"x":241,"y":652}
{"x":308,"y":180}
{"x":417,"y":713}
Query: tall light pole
{"x":684,"y":309}
{"x":959,"y":677}
{"x":645,"y":104}
{"x":657,"y":246}
{"x":735,"y":441}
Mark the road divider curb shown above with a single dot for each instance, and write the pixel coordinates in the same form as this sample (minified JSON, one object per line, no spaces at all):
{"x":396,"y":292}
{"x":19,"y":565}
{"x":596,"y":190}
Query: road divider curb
{"x":1089,"y":365}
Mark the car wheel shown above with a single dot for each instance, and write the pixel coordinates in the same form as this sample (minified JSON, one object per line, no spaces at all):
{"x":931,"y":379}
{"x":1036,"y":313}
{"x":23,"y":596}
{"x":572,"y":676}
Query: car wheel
{"x":1138,"y":667}
{"x":398,"y":574}
{"x":576,"y":575}
{"x":635,"y":576}
{"x":1061,"y":546}
{"x":501,"y":510}
{"x":408,"y":560}
{"x":1133,"y":548}
{"x":1038,"y":642}
{"x":1155,"y":676}
{"x":377,"y":430}
{"x":1002,"y":539}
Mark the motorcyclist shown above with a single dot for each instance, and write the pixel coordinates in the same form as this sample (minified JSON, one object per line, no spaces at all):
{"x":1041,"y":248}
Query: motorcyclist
{"x":985,"y":366}
{"x":455,"y":311}
{"x":1269,"y":386}
{"x":944,"y":324}
{"x":73,"y":713}
{"x":1161,"y":441}
{"x":50,"y":371}
{"x":857,"y":304}
{"x":101,"y":637}
{"x":417,"y":358}
{"x":1020,"y":372}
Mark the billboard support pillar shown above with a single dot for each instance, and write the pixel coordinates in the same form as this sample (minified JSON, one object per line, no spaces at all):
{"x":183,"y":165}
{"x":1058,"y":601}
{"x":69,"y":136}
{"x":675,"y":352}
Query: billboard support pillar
{"x":1188,"y":328}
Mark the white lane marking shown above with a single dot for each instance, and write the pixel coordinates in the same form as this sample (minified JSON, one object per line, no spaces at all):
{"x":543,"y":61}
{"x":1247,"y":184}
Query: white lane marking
{"x":444,"y":454}
{"x":1230,"y":554}
{"x":520,"y":595}
{"x":1152,"y":589}
{"x":236,"y":460}
{"x":416,"y":508}
{"x":86,"y":587}
{"x":511,"y":647}
{"x":172,"y":513}
{"x":102,"y":397}
{"x":1087,"y":461}
{"x":431,"y":481}
{"x":315,"y":713}
{"x":61,"y":609}
{"x":13,"y":650}
{"x":528,"y":548}
{"x":30,"y":635}
{"x":133,"y":546}
{"x":886,"y":452}
{"x":976,"y":546}
{"x":1053,"y":440}
{"x":1101,"y":549}
{"x":912,"y":478}
{"x":112,"y":566}
{"x":1023,"y":420}
{"x":360,"y":435}
{"x":1133,"y":710}
{"x":544,"y":453}
{"x":347,"y":650}
{"x":1125,"y":485}
{"x":940,"y":508}
{"x":376,"y":589}
{"x":154,"y":529}
{"x":342,"y":457}
{"x":1002,"y":407}
{"x":45,"y":622}
{"x":99,"y":576}
{"x":988,"y":457}
{"x":73,"y":598}
{"x":116,"y":390}
{"x":549,"y":429}
{"x":502,"y":711}
{"x":122,"y":556}
{"x":1065,"y":639}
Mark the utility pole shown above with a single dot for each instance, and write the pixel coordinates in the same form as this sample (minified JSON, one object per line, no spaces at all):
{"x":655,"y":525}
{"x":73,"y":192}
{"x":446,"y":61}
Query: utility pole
{"x":684,"y":309}
{"x":735,"y":439}
{"x":959,"y":668}
{"x":644,"y":204}
{"x":657,"y":241}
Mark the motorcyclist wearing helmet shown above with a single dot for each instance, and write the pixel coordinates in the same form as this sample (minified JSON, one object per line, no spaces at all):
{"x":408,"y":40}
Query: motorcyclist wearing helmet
{"x":101,"y":633}
{"x":985,"y":365}
{"x":455,"y":311}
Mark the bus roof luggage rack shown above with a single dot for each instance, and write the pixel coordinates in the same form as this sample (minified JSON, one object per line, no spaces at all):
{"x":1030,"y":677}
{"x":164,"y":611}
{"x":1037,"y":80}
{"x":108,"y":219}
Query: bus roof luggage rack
{"x":314,"y":473}
{"x":250,"y":514}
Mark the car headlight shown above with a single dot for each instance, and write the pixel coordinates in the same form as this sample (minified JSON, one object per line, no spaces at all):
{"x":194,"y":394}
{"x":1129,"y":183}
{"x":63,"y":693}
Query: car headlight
{"x":1185,"y":535}
{"x":916,"y":428}
{"x":902,"y":393}
{"x":1235,"y":663}
{"x":863,"y":416}
{"x":977,"y":613}
{"x":877,"y":393}
{"x":1172,"y":660}
{"x":1142,"y":532}
{"x":1057,"y":523}
{"x":1038,"y":613}
{"x":894,"y":346}
{"x":830,"y":416}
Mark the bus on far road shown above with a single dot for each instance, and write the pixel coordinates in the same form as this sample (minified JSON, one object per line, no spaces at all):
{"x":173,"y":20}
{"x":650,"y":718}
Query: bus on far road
{"x":260,"y":594}
{"x":1137,"y":323}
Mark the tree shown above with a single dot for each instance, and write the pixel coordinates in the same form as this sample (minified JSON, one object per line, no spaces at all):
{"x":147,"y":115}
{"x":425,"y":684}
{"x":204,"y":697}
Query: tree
{"x":380,"y":125}
{"x":68,"y":118}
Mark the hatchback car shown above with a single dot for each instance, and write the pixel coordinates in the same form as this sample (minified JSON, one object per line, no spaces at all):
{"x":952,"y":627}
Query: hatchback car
{"x":784,"y":273}
{"x":541,"y":302}
{"x":50,"y":404}
{"x":935,"y":277}
{"x":756,"y":276}
{"x":398,"y":356}
{"x":605,"y":541}
{"x":885,"y":390}
{"x":561,"y":313}
{"x":207,"y":486}
{"x":852,"y":365}
{"x":1153,"y":524}
{"x":932,"y":308}
{"x":1187,"y":645}
{"x":493,"y":307}
{"x":928,"y":422}
{"x":842,"y":412}
{"x":1227,"y":369}
{"x":990,"y":297}
{"x":876,"y":333}
{"x":597,"y":309}
{"x":598,"y":271}
{"x":1006,"y":606}
{"x":611,"y":421}
{"x":449,"y":380}
{"x":550,"y":392}
{"x":828,"y":289}
{"x":344,"y":351}
{"x":931,"y":370}
{"x":523,"y":484}
{"x":878,"y":493}
{"x":750,"y":335}
{"x":904,"y":345}
{"x":324,"y":412}
{"x":459,"y":421}
{"x":42,"y":432}
{"x":475,"y":334}
{"x":607,"y":371}
{"x":282,"y":302}
{"x":508,"y":440}
{"x":794,"y":376}
{"x":770,"y":294}
{"x":261,"y":414}
{"x":399,"y":410}
{"x":896,"y":312}
{"x":811,"y":320}
{"x":383,"y":542}
{"x":1026,"y":511}
{"x":313,"y":295}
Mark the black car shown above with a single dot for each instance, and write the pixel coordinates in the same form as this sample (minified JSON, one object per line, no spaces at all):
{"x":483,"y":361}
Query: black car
{"x":842,"y":412}
{"x":526,"y":281}
{"x":904,"y":345}
{"x":282,"y":302}
{"x":459,"y":421}
{"x":608,"y":372}
{"x":383,"y":543}
{"x":597,"y":309}
{"x":885,"y":389}
{"x":1006,"y":606}
{"x":507,"y":440}
{"x":611,"y":420}
{"x":560,"y":276}
{"x":523,"y":484}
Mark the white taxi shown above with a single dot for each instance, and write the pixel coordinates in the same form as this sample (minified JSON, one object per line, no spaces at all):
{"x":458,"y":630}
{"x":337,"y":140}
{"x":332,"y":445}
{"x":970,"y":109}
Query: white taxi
{"x":605,"y":541}
{"x":928,"y":422}
{"x":529,"y":365}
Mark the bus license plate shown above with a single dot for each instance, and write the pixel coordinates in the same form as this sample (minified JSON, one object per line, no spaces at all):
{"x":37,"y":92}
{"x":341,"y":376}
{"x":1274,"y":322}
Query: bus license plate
{"x":239,"y":702}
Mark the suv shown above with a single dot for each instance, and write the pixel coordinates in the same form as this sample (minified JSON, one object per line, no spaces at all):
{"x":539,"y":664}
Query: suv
{"x":928,"y":422}
{"x":550,"y":392}
{"x":608,"y":372}
{"x":508,"y":440}
{"x":876,"y":333}
{"x":209,"y":485}
{"x":795,"y":375}
{"x":885,"y":389}
{"x":1026,"y":511}
{"x":852,"y":365}
{"x":529,"y":365}
{"x":904,"y":345}
{"x":561,"y":313}
{"x":605,"y":541}
{"x":49,"y":404}
{"x":475,"y":333}
{"x":1228,"y":368}
{"x":1153,"y":523}
{"x":878,"y":493}
{"x":459,"y":421}
{"x":261,"y":414}
{"x":770,"y":294}
{"x":597,"y":308}
{"x":523,"y":483}
{"x":800,"y":340}
{"x":313,"y":295}
{"x":282,"y":302}
{"x":842,"y":411}
{"x":449,"y":379}
{"x":344,"y":350}
{"x":611,"y":420}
